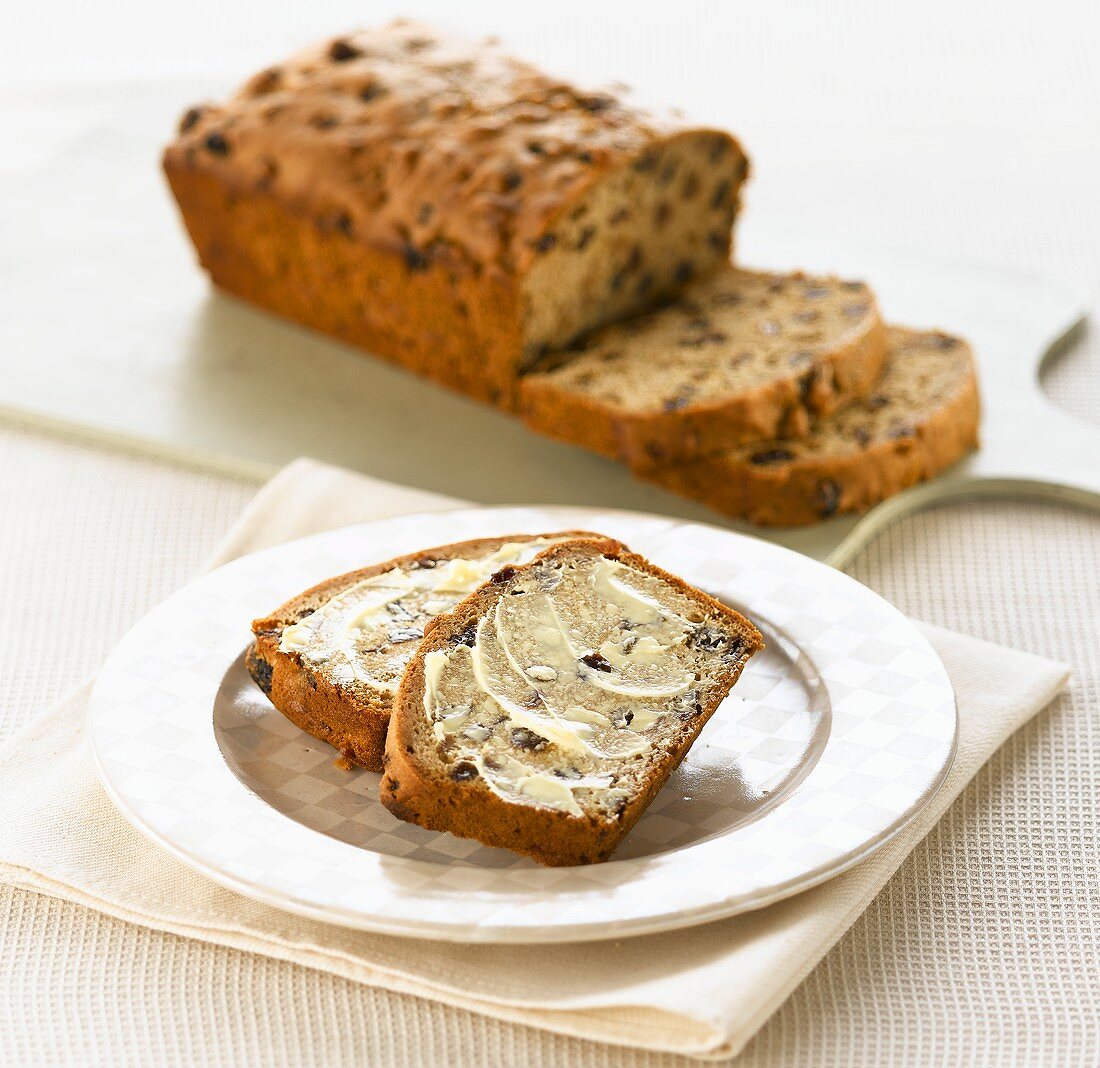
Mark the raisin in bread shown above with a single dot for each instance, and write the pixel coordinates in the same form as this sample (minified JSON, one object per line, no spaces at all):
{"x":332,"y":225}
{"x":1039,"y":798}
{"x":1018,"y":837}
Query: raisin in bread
{"x":921,"y":417}
{"x":331,"y":658}
{"x":547,"y":710}
{"x":445,"y":205}
{"x":741,"y":356}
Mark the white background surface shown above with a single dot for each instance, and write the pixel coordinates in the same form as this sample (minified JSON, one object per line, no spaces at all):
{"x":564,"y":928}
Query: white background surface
{"x":962,"y":129}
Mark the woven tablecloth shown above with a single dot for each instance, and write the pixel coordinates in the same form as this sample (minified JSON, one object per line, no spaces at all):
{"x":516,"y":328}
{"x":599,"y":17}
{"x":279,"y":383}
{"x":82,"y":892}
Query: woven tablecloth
{"x":978,"y":140}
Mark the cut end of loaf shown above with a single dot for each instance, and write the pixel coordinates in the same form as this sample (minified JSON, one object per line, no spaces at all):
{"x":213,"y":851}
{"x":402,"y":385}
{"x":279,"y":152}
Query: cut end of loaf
{"x":638,"y":236}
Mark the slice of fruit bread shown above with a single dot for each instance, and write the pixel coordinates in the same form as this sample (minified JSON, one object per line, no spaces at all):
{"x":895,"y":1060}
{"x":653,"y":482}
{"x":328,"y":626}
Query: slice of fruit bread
{"x":331,"y":658}
{"x":738,"y":357}
{"x":546,"y":711}
{"x":921,"y":417}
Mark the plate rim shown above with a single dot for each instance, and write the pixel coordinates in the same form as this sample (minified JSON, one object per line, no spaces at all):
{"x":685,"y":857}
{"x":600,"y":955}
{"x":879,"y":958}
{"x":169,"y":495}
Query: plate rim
{"x":672,"y":918}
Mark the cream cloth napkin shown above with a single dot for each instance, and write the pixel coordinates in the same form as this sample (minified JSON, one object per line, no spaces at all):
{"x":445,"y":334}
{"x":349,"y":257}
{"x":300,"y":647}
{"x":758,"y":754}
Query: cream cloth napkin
{"x":702,"y":991}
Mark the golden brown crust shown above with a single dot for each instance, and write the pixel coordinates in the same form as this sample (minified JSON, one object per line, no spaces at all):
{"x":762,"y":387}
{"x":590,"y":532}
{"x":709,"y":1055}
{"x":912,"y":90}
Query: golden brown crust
{"x":744,"y":484}
{"x":356,"y":729}
{"x":354,"y":723}
{"x":371,"y":127}
{"x":834,"y":370}
{"x":396,"y":188}
{"x":415,"y":791}
{"x":440,"y":324}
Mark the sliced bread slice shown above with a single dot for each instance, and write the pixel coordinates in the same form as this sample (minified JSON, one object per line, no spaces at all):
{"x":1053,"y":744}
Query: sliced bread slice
{"x":742,"y":356}
{"x":331,"y":658}
{"x":547,"y":710}
{"x":922,"y":417}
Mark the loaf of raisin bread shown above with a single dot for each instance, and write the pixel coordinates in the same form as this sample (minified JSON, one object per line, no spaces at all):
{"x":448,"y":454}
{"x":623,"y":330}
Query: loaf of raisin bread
{"x":331,"y":658}
{"x":921,"y":417}
{"x":447,"y":206}
{"x":546,"y":711}
{"x":741,"y":356}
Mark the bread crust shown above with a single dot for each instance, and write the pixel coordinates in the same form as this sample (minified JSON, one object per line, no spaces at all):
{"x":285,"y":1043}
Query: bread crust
{"x":444,"y":324}
{"x":412,"y":792}
{"x":785,"y":406}
{"x":355,"y":724}
{"x":312,"y":703}
{"x":813,"y":488}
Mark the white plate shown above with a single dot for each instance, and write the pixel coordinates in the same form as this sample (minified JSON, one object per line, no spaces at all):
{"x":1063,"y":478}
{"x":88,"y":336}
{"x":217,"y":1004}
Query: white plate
{"x":833,"y":739}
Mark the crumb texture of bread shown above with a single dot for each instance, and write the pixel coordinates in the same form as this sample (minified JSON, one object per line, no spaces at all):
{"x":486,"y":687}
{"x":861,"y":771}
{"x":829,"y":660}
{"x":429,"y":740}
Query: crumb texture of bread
{"x":547,"y":710}
{"x":331,"y":658}
{"x":921,"y":417}
{"x":741,"y":356}
{"x":446,"y":205}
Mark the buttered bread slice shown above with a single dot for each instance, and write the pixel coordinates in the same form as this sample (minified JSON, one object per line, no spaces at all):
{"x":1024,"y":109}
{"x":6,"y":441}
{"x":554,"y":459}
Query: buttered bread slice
{"x":547,"y":710}
{"x":741,"y":356}
{"x":331,"y":658}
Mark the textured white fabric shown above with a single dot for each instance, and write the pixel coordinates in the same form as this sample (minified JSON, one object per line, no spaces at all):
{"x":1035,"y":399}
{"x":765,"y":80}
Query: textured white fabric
{"x":713,"y":986}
